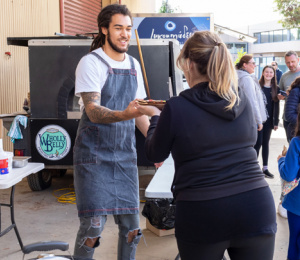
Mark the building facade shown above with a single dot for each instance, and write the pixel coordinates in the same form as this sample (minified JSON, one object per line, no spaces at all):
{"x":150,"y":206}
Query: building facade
{"x":273,"y":41}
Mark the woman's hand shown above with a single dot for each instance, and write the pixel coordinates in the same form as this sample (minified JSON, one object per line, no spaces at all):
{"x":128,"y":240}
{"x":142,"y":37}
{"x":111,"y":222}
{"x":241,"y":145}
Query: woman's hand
{"x":275,"y":127}
{"x":259,"y":127}
{"x":280,"y":97}
{"x":157,"y":165}
{"x":147,"y":110}
{"x":279,"y":156}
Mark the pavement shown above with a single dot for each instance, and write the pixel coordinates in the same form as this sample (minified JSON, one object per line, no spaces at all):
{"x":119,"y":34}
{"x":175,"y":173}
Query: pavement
{"x":40,"y":217}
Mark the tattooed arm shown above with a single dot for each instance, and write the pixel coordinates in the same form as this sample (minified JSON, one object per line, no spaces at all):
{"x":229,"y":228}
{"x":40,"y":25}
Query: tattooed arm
{"x":102,"y":115}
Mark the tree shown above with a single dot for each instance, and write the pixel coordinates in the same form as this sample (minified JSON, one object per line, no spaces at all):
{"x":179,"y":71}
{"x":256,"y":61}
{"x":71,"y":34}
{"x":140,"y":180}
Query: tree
{"x":240,"y":54}
{"x":290,"y":9}
{"x":166,"y":7}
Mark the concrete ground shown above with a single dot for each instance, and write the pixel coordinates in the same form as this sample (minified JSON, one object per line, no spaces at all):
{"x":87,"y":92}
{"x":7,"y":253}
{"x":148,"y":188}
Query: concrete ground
{"x":40,"y":217}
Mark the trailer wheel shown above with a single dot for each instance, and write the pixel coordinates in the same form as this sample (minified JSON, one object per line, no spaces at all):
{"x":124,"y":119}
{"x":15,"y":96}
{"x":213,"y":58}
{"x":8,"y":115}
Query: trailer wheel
{"x":40,"y":180}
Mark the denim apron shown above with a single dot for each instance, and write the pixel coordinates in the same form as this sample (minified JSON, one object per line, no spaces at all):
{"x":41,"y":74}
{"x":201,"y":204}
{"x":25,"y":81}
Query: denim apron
{"x":105,"y":159}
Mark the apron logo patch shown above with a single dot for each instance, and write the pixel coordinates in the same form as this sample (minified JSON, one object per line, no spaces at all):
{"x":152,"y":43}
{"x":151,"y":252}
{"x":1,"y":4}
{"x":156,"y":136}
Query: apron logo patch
{"x":53,"y":142}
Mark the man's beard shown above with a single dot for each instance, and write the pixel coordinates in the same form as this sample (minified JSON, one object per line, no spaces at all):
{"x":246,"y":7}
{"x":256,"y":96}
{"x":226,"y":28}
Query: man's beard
{"x":115,"y":47}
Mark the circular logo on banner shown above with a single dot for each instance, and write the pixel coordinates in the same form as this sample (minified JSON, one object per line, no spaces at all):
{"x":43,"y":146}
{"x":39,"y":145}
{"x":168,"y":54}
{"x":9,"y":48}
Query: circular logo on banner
{"x":170,"y":26}
{"x":53,"y":142}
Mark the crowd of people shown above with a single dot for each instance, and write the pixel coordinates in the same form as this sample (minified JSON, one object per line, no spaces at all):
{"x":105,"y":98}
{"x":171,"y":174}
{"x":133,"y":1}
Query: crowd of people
{"x":214,"y":131}
{"x":275,"y":86}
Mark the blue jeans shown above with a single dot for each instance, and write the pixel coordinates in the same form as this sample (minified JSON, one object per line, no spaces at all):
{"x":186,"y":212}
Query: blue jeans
{"x":92,"y":227}
{"x":294,"y":243}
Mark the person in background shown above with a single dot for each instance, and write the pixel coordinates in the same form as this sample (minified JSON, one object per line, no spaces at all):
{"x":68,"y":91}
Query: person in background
{"x":270,"y":90}
{"x":292,"y":62}
{"x":292,"y":107}
{"x":274,"y":64}
{"x":289,"y":168}
{"x":105,"y":161}
{"x":245,"y":67}
{"x":249,"y":83}
{"x":210,"y":131}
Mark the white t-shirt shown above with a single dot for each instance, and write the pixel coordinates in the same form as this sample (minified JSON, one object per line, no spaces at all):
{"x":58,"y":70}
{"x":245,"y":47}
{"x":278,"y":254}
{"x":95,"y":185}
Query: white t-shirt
{"x":91,"y":74}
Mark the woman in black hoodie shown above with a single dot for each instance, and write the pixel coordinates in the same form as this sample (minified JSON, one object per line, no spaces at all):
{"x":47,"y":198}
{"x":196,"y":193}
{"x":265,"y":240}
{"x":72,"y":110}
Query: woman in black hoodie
{"x":222,"y":199}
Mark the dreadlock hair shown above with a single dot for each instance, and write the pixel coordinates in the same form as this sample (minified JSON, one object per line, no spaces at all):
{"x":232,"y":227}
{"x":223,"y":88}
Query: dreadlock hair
{"x":104,"y":19}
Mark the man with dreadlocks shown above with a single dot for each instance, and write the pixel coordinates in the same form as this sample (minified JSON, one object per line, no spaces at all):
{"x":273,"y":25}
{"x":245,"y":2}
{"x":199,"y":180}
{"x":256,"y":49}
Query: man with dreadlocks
{"x":108,"y":81}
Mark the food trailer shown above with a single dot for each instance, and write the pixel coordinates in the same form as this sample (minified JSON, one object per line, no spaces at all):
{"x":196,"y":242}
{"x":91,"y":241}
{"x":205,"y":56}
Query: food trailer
{"x":54,"y":111}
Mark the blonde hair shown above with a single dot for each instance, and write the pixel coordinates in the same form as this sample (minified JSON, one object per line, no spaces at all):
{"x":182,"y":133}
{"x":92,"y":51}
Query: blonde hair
{"x":212,"y":58}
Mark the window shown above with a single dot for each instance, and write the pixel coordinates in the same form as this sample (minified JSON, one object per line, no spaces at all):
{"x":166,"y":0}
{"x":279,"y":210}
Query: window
{"x":239,"y":46}
{"x":257,"y":35}
{"x":278,"y":36}
{"x":234,"y":48}
{"x":271,"y":36}
{"x":264,"y":37}
{"x":285,"y":35}
{"x":230,"y":47}
{"x":261,"y":62}
{"x":281,"y":63}
{"x":294,"y":34}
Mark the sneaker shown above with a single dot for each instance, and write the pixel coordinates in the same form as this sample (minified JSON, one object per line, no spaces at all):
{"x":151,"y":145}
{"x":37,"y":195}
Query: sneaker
{"x":282,"y":211}
{"x":268,"y":174}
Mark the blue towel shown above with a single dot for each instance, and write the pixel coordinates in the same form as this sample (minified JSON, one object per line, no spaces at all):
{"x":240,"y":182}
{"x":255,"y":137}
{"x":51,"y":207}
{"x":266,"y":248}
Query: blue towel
{"x":15,"y":131}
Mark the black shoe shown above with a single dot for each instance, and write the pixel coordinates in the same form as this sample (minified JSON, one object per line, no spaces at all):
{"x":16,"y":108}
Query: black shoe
{"x":268,"y":174}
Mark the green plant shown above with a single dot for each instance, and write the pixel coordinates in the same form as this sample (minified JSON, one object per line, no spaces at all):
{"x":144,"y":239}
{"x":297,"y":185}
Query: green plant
{"x":165,"y":7}
{"x":240,"y":54}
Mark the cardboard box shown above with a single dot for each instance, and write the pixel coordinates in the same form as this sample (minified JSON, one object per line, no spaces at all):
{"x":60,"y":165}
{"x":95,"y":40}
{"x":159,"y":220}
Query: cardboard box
{"x":159,"y":232}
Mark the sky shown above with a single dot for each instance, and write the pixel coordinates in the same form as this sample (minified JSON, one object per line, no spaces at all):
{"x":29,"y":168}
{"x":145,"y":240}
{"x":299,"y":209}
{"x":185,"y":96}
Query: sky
{"x":235,"y":14}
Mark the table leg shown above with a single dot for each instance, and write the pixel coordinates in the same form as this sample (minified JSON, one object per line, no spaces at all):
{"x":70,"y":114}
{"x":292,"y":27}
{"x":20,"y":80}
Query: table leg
{"x":12,"y":214}
{"x":12,"y":217}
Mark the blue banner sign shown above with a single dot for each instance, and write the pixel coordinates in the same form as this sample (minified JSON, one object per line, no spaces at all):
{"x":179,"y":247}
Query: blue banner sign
{"x":179,"y":28}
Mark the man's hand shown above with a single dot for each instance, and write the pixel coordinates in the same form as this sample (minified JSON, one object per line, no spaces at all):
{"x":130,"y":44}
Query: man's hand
{"x":259,"y":127}
{"x":275,"y":127}
{"x":131,"y":111}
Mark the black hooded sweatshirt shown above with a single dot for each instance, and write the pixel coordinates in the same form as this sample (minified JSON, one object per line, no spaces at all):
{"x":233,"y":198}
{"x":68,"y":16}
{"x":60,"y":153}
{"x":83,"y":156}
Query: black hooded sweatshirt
{"x":212,"y":147}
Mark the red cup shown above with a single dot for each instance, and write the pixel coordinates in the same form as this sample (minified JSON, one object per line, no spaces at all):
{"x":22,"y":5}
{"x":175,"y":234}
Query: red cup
{"x":3,"y":163}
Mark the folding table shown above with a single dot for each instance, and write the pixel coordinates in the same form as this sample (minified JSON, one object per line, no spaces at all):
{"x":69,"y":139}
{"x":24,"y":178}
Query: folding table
{"x":15,"y":176}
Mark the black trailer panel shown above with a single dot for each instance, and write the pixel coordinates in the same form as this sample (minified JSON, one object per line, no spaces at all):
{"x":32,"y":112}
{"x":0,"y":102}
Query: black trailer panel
{"x":54,"y":108}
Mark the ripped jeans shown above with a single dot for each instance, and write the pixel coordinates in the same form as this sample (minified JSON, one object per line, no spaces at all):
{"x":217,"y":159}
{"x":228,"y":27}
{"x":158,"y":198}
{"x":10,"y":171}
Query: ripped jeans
{"x":92,"y":227}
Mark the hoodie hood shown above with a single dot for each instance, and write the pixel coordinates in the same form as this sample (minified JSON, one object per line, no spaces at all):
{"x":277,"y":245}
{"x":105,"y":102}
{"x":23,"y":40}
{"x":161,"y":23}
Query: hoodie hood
{"x":203,"y":97}
{"x":242,"y":73}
